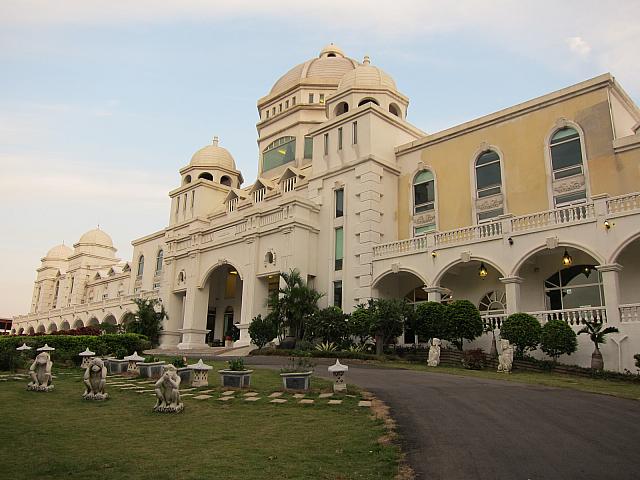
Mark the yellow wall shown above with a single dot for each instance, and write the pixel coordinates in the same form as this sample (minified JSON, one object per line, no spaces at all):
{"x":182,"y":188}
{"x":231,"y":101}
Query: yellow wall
{"x":521,"y":141}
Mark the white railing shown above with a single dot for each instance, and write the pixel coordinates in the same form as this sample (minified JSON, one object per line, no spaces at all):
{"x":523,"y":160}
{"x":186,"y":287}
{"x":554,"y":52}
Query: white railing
{"x":232,"y":205}
{"x":484,"y":231}
{"x":258,"y":195}
{"x":493,"y":319}
{"x":630,"y":313}
{"x":560,"y":216}
{"x":573,"y":316}
{"x":623,"y":203}
{"x":410,"y":245}
{"x":271,"y":218}
{"x":289,"y":184}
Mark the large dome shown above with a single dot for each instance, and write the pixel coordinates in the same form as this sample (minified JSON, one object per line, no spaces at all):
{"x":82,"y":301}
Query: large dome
{"x":59,"y":252}
{"x":212,"y":156}
{"x":96,"y":237}
{"x":329,"y":67}
{"x":367,"y":76}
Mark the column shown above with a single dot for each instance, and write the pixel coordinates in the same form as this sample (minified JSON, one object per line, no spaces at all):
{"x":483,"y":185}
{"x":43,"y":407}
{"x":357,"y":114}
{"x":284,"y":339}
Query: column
{"x":434,"y":294}
{"x":610,"y":285}
{"x":196,"y":304}
{"x":249,"y":291}
{"x":512,"y":290}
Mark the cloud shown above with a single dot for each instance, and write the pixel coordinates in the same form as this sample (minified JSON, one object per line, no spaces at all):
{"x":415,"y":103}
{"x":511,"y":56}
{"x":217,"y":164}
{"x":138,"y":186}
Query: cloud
{"x":579,"y":46}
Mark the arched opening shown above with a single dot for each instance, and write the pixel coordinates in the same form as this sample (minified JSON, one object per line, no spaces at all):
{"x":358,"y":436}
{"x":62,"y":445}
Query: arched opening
{"x":341,"y":108}
{"x":140,"y":266}
{"x":31,"y":331}
{"x":52,"y":328}
{"x":21,"y":331}
{"x":206,"y":176}
{"x":187,"y":179}
{"x":65,"y":326}
{"x":224,"y":292}
{"x":268,"y":258}
{"x":78,"y":324}
{"x":127,"y":318}
{"x":567,"y":161}
{"x":159,"y":259}
{"x":40,"y":329}
{"x":488,"y":182}
{"x":629,"y":279}
{"x":225,"y":180}
{"x":93,"y":322}
{"x":110,"y":319}
{"x":364,"y":101}
{"x":395,"y":110}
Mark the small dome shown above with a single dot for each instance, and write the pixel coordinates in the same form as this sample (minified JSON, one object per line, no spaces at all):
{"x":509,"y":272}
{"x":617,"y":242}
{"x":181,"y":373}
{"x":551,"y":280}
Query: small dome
{"x":59,"y":252}
{"x":329,"y":67}
{"x":96,"y":237}
{"x":213,"y":156}
{"x":367,"y":76}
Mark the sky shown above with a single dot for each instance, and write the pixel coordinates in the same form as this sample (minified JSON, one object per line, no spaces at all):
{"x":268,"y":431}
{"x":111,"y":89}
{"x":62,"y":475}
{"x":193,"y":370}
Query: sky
{"x":103,"y":101}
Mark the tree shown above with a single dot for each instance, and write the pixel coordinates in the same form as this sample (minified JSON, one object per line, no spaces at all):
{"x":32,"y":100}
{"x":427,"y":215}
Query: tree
{"x":523,"y":331}
{"x":148,"y":319}
{"x":597,"y":335}
{"x":329,"y":325}
{"x":294,"y":303}
{"x":464,"y":322}
{"x":557,"y":338}
{"x":389,"y":317}
{"x":263,"y":330}
{"x":361,"y":321}
{"x":431,"y":320}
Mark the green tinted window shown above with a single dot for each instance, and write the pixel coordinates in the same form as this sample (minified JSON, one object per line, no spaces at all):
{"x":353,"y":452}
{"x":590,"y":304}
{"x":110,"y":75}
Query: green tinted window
{"x":308,"y":147}
{"x":282,"y":151}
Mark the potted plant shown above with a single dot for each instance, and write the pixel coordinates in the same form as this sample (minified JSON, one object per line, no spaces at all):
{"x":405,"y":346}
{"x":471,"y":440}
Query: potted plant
{"x":235,"y":375}
{"x":296,"y":375}
{"x":597,"y":335}
{"x":151,"y":367}
{"x":184,"y":372}
{"x":228,"y":341}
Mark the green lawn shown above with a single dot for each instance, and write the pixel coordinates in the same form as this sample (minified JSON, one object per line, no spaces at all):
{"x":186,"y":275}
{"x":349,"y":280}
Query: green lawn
{"x":60,"y":435}
{"x":594,"y":385}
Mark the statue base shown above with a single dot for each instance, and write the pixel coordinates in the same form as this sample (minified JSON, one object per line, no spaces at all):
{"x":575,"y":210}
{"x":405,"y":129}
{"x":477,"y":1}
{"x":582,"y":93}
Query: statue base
{"x":169,"y":408}
{"x":39,"y":388}
{"x":95,"y":396}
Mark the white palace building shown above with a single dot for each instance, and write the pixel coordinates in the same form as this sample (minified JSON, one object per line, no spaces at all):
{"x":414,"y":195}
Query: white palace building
{"x":535,"y":208}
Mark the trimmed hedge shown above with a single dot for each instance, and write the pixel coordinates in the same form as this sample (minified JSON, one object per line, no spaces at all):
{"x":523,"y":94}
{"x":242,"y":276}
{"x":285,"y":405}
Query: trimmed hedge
{"x":68,"y":347}
{"x":281,"y":352}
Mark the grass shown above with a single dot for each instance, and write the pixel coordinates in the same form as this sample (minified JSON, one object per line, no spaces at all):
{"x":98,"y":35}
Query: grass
{"x":593,"y":385}
{"x":59,"y":435}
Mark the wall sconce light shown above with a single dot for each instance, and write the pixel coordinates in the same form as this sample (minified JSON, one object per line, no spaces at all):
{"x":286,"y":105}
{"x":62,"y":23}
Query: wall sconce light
{"x":566,"y":258}
{"x":482,"y":271}
{"x":608,"y":224}
{"x":434,"y":254}
{"x":587,"y":271}
{"x":510,"y":240}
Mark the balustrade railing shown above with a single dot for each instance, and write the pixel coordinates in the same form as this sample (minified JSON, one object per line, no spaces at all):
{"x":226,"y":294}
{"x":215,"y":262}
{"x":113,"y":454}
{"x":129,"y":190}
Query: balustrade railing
{"x":623,"y":203}
{"x":232,"y":205}
{"x":630,"y":313}
{"x":494,"y":320}
{"x":483,"y":231}
{"x":559,"y":216}
{"x":416,"y":244}
{"x":573,"y":316}
{"x":258,"y":195}
{"x":289,"y":184}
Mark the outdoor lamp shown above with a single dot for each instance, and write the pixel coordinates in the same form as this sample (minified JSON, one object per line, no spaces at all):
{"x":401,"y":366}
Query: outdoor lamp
{"x":482,"y":271}
{"x":566,"y":258}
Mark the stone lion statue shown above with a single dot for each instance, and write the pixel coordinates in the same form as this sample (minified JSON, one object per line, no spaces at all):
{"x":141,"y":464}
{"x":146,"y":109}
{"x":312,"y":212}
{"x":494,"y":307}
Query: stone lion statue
{"x":95,"y":378}
{"x":434,"y":353}
{"x":168,"y":391}
{"x":505,"y":358}
{"x":40,"y":373}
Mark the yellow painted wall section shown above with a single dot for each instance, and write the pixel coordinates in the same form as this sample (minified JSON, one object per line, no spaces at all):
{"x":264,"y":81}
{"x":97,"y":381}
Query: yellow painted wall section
{"x":521,"y":141}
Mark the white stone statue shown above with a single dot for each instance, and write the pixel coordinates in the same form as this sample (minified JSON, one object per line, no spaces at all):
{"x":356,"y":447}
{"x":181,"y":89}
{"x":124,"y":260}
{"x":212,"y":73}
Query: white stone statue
{"x":40,"y":371}
{"x":434,"y":352}
{"x":95,"y":378}
{"x":168,"y":391}
{"x":505,"y":358}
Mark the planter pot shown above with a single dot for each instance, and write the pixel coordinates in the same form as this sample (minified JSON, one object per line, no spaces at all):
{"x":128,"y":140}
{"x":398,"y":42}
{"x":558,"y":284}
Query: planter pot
{"x":115,"y":366}
{"x":151,"y":369}
{"x":186,"y":376}
{"x":597,"y":362}
{"x":235,"y":378}
{"x":296,"y":381}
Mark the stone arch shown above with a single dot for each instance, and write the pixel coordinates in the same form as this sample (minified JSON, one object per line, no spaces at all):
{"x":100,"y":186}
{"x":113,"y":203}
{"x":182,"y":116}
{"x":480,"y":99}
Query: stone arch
{"x":531,"y":253}
{"x":52,"y":328}
{"x":341,"y":108}
{"x":93,"y":322}
{"x":613,"y":258}
{"x":126,"y":317}
{"x":408,"y":270}
{"x":21,"y":331}
{"x":442,"y":272}
{"x":78,"y":323}
{"x":367,"y":100}
{"x":31,"y":330}
{"x":211,"y":269}
{"x":41,"y":329}
{"x":65,"y":326}
{"x":394,"y":109}
{"x":109,"y":318}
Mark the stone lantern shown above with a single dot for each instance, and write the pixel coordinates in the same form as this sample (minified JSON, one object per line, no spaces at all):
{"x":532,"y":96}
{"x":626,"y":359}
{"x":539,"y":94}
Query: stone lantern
{"x":23,"y":348}
{"x":132,"y":366}
{"x":200,"y":374}
{"x":86,"y":356}
{"x":338,"y":370}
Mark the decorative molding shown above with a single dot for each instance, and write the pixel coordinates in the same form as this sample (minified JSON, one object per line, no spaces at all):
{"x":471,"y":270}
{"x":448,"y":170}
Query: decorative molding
{"x":570,"y":185}
{"x":424,"y":219}
{"x":562,"y":123}
{"x":484,"y":146}
{"x":552,"y":242}
{"x":465,"y":256}
{"x":490,"y":203}
{"x":395,"y":267}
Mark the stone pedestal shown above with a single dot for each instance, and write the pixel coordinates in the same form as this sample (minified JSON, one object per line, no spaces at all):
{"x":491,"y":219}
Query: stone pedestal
{"x":200,"y":374}
{"x":133,"y":361}
{"x":338,"y":371}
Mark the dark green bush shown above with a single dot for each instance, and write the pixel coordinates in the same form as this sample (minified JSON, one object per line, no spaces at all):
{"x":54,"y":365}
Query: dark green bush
{"x":523,"y":331}
{"x":68,"y":347}
{"x":473,"y":359}
{"x":431,"y":320}
{"x":637,"y":358}
{"x":558,"y":338}
{"x":263,"y":330}
{"x":464,"y":322}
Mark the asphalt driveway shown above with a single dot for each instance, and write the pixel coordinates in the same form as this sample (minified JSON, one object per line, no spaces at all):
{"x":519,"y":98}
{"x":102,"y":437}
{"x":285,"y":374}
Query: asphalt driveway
{"x":468,"y":428}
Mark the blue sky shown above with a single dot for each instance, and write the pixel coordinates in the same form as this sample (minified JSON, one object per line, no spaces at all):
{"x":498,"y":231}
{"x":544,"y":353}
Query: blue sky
{"x":101,"y":102}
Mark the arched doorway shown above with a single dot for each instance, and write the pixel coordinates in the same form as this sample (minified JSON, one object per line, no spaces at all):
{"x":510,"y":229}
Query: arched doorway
{"x":224,"y":304}
{"x":52,"y":328}
{"x":77,"y":324}
{"x":93,"y":322}
{"x":65,"y":326}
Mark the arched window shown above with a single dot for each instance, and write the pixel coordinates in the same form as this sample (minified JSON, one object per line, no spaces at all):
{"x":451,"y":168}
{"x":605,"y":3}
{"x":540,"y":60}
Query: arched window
{"x":140,"y":265}
{"x":206,"y":176}
{"x":394,"y":110}
{"x":566,"y":161}
{"x":279,"y":152}
{"x":187,"y":179}
{"x":225,"y":180}
{"x":364,"y":101}
{"x":424,"y":196}
{"x":574,"y":287}
{"x":488,"y":181}
{"x":493,"y":303}
{"x":342,"y":107}
{"x":159,"y":258}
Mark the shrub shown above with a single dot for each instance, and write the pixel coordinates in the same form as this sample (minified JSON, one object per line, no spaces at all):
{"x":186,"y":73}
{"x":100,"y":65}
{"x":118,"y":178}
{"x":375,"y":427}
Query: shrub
{"x":326,"y":347}
{"x":329,"y":325}
{"x":558,"y":338}
{"x":263,"y":330}
{"x":69,"y":346}
{"x":431,"y":320}
{"x":637,"y":358}
{"x":473,"y":359}
{"x":147,"y":321}
{"x":179,"y":362}
{"x":464,"y":322}
{"x":236,"y":365}
{"x":522,"y":330}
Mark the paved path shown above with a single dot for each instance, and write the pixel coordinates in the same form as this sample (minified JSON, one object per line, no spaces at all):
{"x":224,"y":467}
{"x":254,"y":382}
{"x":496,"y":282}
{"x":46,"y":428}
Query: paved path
{"x":467,"y":428}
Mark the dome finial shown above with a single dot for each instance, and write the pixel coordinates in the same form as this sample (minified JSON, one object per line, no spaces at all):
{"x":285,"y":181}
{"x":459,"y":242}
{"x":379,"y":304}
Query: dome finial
{"x":215,"y":141}
{"x":367,"y":60}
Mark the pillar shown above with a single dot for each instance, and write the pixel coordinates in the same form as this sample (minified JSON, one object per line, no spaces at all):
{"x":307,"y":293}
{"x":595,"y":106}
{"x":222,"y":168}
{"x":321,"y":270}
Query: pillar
{"x":196,"y":304}
{"x":434,"y":294}
{"x":610,"y":285}
{"x":512,"y":291}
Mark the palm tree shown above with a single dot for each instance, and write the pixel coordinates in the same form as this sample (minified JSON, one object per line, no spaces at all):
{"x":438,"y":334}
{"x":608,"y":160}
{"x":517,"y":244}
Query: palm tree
{"x":597,"y":335}
{"x":148,"y":319}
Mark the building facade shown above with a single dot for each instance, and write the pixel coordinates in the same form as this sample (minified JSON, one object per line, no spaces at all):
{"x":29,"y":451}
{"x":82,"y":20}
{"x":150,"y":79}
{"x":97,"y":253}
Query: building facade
{"x":534,"y":208}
